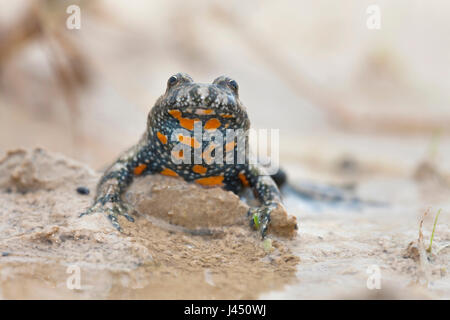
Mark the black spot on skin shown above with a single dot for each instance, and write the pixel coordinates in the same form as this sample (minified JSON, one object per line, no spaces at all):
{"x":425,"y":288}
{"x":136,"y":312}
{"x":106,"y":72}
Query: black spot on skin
{"x":83,"y":190}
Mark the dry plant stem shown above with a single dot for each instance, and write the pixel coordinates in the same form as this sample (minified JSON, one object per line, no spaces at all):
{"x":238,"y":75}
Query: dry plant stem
{"x":423,"y":258}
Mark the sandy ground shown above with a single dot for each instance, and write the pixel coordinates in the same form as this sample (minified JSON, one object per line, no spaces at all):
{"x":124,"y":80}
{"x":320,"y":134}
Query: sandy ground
{"x":161,"y":256}
{"x":42,"y":236}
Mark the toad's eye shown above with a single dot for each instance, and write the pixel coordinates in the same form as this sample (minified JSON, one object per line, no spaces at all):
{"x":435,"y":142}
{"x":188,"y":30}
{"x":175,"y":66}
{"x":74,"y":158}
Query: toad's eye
{"x":172,"y":81}
{"x":233,"y":85}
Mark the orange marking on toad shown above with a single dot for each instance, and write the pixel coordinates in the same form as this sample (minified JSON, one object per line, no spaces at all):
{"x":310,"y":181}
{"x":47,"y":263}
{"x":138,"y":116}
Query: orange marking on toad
{"x":139,"y":169}
{"x":168,"y":172}
{"x":175,"y":113}
{"x":210,"y":181}
{"x":178,"y":154}
{"x":184,"y":122}
{"x":188,"y":123}
{"x":161,"y":137}
{"x":199,"y":169}
{"x":229,"y":146}
{"x":192,"y":142}
{"x":243,"y":179}
{"x":212,"y":124}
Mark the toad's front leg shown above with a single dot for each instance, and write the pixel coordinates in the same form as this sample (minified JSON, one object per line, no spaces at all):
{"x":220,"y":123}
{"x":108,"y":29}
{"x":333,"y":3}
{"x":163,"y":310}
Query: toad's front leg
{"x":115,"y":181}
{"x":266,"y":191}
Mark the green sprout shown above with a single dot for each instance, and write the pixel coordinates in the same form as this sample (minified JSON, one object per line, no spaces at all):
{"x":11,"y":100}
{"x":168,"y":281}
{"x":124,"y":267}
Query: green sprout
{"x":256,"y":220}
{"x":434,"y":228}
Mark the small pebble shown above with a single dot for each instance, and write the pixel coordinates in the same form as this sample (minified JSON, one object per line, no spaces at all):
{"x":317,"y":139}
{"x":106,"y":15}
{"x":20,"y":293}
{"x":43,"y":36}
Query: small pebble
{"x":83,"y":190}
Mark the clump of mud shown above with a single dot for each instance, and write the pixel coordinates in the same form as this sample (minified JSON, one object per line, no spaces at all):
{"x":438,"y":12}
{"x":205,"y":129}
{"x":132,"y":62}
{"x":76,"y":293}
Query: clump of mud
{"x":177,"y":202}
{"x":47,"y":251}
{"x":199,"y":210}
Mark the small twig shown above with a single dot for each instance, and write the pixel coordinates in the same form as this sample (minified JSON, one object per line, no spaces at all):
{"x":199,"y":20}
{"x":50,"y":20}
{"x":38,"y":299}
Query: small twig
{"x":423,"y":258}
{"x":421,"y":225}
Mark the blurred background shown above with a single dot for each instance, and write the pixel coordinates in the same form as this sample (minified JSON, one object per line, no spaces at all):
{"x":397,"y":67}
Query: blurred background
{"x":346,"y":98}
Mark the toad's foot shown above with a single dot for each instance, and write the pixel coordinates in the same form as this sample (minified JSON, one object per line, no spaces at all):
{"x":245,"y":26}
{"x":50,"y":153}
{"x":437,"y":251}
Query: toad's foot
{"x":260,"y":217}
{"x":112,"y":211}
